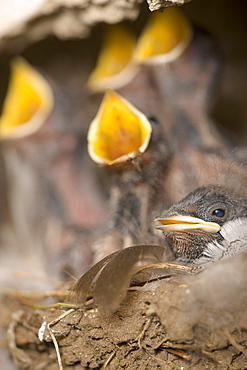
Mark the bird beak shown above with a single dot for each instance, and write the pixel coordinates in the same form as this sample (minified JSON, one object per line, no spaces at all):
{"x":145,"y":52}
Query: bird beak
{"x":118,"y":132}
{"x":28,"y":103}
{"x":165,"y":37}
{"x":114,"y":68}
{"x":186,"y":223}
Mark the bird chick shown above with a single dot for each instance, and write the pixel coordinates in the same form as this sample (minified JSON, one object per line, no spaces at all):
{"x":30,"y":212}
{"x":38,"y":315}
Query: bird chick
{"x":45,"y":164}
{"x":206,"y":226}
{"x":134,"y":154}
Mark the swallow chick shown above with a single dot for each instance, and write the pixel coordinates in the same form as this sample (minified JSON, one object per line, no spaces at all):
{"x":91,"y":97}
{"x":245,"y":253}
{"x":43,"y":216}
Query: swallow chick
{"x":206,"y":226}
{"x":45,"y":165}
{"x":133,"y":154}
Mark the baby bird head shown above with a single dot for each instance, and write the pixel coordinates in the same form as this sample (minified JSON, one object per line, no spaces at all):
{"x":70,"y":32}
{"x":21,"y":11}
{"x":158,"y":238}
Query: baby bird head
{"x":200,"y":220}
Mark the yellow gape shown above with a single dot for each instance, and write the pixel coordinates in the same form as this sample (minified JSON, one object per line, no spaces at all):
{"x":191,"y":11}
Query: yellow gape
{"x":118,"y":132}
{"x":28,"y":103}
{"x":114,"y":68}
{"x":164,"y":38}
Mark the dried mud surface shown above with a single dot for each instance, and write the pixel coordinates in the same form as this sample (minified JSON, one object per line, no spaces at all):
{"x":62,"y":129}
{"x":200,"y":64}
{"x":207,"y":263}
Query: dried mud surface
{"x":190,"y":322}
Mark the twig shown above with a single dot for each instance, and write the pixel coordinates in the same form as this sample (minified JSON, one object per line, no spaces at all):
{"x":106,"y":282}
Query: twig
{"x":236,"y":345}
{"x":141,"y":335}
{"x":54,"y":305}
{"x":27,"y":275}
{"x":184,"y":347}
{"x":63,"y":305}
{"x":108,"y":360}
{"x":34,"y":295}
{"x":53,"y":322}
{"x":178,"y":353}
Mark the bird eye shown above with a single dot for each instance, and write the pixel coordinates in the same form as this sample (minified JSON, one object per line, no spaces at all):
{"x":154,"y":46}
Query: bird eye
{"x":218,"y":212}
{"x":153,"y":119}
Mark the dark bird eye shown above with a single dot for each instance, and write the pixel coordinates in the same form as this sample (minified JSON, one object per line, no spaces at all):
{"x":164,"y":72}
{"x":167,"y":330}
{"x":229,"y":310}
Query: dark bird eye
{"x":218,"y":212}
{"x":154,"y":120}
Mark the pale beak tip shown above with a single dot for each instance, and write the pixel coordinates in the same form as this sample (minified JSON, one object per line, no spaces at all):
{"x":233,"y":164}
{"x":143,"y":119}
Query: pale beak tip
{"x":158,"y":227}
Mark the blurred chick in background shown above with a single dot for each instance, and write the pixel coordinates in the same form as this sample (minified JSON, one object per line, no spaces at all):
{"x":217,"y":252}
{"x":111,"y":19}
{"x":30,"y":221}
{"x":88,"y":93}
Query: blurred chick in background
{"x":46,"y":186}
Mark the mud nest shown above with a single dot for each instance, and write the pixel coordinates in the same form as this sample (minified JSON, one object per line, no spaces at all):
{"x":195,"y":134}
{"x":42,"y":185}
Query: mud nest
{"x":196,"y":321}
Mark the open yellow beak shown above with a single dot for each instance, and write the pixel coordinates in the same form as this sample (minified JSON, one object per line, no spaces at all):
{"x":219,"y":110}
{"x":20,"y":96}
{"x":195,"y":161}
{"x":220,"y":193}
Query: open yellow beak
{"x":29,"y":101}
{"x":118,"y":132}
{"x":165,"y":37}
{"x":114,"y":68}
{"x":186,"y":223}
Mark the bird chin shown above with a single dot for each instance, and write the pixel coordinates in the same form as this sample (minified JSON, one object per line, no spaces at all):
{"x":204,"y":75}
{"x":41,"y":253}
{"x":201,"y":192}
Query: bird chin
{"x":188,"y":246}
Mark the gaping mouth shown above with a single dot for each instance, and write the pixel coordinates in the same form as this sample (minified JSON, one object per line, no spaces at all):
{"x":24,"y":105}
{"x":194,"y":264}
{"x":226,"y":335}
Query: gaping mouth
{"x":118,"y":132}
{"x":114,"y":67}
{"x":165,"y":37}
{"x":28,"y":103}
{"x":185,"y":223}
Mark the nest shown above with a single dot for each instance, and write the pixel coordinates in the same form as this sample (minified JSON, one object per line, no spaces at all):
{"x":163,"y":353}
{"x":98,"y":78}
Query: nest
{"x":193,"y":321}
